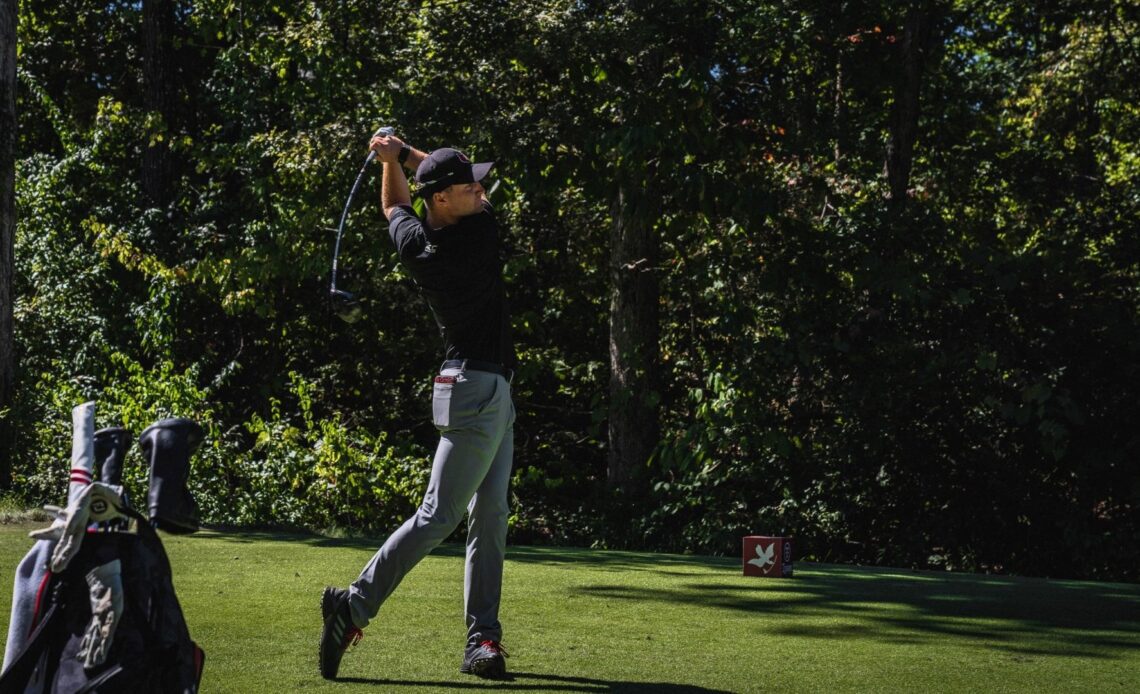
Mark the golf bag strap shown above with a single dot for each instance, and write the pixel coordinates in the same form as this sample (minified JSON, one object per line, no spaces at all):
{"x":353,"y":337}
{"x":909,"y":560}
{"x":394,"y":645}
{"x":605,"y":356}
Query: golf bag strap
{"x":16,"y":677}
{"x":199,"y":662}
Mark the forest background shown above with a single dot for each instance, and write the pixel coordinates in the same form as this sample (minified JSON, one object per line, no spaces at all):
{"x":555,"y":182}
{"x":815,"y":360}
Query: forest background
{"x":863,"y":273}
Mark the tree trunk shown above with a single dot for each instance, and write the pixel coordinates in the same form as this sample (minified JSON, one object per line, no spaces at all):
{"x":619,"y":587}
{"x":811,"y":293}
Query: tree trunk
{"x":634,"y":333}
{"x":7,"y":232}
{"x":905,"y":110}
{"x":158,"y":99}
{"x":839,"y":111}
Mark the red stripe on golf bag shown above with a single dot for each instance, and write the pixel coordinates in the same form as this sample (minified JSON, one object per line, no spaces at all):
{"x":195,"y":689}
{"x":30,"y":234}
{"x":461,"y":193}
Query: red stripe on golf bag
{"x":39,"y":602}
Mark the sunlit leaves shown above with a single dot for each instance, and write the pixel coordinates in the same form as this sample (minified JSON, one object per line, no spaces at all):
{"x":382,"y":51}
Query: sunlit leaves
{"x":877,"y":382}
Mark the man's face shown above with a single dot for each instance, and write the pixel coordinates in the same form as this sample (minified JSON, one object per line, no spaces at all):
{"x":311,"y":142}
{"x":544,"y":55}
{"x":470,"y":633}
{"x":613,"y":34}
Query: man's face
{"x":464,"y":199}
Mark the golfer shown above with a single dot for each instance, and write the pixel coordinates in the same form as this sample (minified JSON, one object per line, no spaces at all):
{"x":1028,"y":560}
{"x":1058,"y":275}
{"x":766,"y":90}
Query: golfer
{"x":453,"y":254}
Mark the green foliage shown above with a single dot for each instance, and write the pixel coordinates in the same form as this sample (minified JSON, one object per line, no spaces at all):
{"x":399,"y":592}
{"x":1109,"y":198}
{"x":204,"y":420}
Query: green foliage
{"x":919,"y":381}
{"x":320,"y":473}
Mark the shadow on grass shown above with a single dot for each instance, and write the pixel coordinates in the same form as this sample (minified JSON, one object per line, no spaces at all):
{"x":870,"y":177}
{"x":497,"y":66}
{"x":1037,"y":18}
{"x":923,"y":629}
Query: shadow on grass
{"x":604,"y":559}
{"x":523,"y":681}
{"x":1019,"y":616}
{"x":1016,"y":615}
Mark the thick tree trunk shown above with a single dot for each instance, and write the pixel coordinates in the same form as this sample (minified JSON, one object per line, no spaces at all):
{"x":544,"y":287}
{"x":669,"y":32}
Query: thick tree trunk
{"x":634,"y":333}
{"x":905,"y":111}
{"x":7,"y":232}
{"x":158,"y":99}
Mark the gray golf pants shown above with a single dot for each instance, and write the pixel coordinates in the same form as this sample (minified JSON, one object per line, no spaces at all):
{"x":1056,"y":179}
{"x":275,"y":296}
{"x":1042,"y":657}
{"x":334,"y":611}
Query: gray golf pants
{"x":471,"y":470}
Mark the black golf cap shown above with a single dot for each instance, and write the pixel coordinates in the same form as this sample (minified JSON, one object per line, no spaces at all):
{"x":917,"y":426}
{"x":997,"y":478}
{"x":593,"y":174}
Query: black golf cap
{"x":445,"y":167}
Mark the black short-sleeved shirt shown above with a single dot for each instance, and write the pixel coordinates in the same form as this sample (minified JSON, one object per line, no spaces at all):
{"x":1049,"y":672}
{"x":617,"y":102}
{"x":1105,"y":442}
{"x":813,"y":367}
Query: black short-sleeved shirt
{"x":459,"y":269}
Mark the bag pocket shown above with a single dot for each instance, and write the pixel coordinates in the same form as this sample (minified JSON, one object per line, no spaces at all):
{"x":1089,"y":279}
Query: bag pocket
{"x":109,"y":681}
{"x":441,"y":400}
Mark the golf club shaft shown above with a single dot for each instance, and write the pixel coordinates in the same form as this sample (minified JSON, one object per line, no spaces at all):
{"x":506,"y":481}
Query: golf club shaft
{"x":348,"y":203}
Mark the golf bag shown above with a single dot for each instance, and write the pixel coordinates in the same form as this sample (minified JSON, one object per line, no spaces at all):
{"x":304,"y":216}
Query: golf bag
{"x":151,"y":650}
{"x":96,"y":589}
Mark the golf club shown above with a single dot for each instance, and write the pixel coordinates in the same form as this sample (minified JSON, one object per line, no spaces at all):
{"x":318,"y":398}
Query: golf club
{"x":345,"y":304}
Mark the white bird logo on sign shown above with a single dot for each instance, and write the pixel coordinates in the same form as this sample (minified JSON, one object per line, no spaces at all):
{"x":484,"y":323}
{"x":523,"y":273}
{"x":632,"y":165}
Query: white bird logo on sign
{"x":764,"y":557}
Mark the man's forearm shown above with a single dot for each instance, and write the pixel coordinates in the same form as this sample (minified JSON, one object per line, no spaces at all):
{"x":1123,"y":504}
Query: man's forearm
{"x":394,"y":188}
{"x":415,"y":156}
{"x":395,"y":155}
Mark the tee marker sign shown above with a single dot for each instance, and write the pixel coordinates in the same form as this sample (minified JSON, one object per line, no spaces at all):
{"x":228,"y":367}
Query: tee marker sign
{"x":767,"y":556}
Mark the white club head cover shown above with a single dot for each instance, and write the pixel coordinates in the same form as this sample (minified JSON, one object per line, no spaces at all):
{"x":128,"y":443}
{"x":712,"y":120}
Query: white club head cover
{"x":82,"y":449}
{"x":98,"y":502}
{"x":105,"y":584}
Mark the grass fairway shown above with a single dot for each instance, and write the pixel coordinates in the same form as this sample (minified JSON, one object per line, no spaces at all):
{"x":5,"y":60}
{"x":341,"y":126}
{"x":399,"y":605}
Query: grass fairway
{"x":593,"y":621}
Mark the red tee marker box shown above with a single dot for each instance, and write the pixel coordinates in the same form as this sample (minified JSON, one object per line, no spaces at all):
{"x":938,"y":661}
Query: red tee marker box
{"x":770,"y":557}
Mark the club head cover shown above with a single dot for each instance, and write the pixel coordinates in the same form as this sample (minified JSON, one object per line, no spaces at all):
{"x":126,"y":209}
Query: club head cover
{"x":82,"y":449}
{"x":111,"y":445}
{"x":167,"y":446}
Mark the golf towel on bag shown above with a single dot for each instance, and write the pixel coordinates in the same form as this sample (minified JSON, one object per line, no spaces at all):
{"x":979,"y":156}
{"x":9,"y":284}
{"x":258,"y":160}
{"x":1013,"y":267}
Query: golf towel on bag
{"x":151,"y":649}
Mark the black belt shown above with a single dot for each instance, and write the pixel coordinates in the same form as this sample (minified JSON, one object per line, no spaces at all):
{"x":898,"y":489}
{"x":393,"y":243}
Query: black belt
{"x":476,"y":365}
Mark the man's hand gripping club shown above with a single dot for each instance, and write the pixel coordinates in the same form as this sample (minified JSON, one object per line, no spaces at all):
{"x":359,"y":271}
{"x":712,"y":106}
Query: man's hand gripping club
{"x":394,"y":189}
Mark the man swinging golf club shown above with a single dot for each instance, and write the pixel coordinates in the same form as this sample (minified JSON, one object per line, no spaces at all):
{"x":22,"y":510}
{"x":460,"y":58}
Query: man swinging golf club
{"x":453,"y":254}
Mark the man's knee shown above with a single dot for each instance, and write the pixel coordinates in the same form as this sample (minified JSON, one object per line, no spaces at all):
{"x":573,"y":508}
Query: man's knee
{"x":492,"y":511}
{"x":438,"y":519}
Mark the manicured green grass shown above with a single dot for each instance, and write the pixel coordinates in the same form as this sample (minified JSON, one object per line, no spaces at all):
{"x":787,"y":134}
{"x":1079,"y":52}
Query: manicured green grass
{"x":593,"y":621}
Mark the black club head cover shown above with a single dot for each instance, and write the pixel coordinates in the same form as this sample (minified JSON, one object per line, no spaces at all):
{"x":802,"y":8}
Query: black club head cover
{"x":111,"y":445}
{"x":167,"y":446}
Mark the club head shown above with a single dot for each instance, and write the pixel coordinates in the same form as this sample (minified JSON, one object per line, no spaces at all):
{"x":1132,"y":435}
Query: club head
{"x":346,"y":305}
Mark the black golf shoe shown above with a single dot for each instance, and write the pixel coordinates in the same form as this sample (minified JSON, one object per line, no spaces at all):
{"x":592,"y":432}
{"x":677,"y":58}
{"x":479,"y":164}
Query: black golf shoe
{"x":485,"y":659}
{"x":338,"y":632}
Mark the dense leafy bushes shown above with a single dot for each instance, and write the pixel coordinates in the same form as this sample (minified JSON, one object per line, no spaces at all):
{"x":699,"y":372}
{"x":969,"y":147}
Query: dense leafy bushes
{"x":941,"y":378}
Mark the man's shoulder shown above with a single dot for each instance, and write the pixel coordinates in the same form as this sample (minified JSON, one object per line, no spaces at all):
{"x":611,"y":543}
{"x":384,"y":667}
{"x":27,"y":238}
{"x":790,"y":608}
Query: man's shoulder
{"x":408,"y":231}
{"x":404,"y":220}
{"x":404,"y":213}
